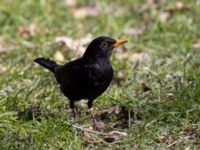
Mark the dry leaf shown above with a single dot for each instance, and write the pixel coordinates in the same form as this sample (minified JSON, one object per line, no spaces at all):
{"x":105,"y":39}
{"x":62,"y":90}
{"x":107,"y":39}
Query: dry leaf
{"x":83,"y":12}
{"x":27,"y":31}
{"x":119,"y":78}
{"x":133,"y":31}
{"x":164,"y":16}
{"x":76,"y":45}
{"x":196,"y":44}
{"x":89,"y":138}
{"x":66,"y":41}
{"x":58,"y":56}
{"x":3,"y":69}
{"x":87,"y":135}
{"x":70,"y":3}
{"x":179,"y":6}
{"x":113,"y":109}
{"x":141,"y":57}
{"x":167,"y":13}
{"x":99,"y":125}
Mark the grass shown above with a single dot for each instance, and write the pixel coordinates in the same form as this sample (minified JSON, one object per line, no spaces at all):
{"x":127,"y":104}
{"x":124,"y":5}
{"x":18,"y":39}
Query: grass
{"x":158,"y":98}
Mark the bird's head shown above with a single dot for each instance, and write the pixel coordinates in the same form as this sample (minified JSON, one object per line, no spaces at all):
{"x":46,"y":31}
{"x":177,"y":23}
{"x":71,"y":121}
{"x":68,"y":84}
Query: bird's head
{"x":102,"y":47}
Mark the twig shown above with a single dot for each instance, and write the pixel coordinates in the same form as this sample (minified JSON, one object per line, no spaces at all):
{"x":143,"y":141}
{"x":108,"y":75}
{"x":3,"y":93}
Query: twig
{"x":87,"y":130}
{"x":100,"y":133}
{"x":172,"y":144}
{"x":175,"y":142}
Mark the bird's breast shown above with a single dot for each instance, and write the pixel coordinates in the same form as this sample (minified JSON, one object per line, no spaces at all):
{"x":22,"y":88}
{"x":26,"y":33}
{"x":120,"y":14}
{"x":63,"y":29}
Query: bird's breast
{"x":101,"y":74}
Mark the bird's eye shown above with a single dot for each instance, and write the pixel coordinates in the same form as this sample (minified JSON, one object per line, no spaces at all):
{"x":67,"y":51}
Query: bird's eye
{"x":104,"y":44}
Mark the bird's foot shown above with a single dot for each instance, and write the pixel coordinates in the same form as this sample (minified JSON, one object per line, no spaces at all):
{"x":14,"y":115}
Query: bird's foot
{"x":75,"y":114}
{"x":94,"y":122}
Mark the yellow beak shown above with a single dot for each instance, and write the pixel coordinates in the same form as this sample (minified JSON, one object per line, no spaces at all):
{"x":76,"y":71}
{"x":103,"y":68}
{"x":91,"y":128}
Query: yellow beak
{"x":119,"y":42}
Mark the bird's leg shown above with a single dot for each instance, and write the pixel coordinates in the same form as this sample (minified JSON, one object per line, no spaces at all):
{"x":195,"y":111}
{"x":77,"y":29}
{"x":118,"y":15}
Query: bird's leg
{"x":91,"y":112}
{"x":73,"y":109}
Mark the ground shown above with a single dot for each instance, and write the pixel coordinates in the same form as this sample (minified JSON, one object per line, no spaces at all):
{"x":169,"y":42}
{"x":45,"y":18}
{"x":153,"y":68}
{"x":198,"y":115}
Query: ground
{"x":154,"y":99}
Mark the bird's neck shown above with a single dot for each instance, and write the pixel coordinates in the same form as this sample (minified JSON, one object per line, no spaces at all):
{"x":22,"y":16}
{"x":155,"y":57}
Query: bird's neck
{"x":96,"y":59}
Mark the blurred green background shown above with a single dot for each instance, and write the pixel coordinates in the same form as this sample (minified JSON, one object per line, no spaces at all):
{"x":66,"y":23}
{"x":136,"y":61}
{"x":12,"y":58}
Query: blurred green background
{"x":154,"y":97}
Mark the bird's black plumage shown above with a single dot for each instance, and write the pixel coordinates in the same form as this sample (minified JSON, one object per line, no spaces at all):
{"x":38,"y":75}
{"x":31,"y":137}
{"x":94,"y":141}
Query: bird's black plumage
{"x":86,"y":77}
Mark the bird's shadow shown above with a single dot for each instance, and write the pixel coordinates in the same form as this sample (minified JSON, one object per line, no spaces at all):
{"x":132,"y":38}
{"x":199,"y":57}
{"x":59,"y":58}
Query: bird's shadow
{"x":106,"y":119}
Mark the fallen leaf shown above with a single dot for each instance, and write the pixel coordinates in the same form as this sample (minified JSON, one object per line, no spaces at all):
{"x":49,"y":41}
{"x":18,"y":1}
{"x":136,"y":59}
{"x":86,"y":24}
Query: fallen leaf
{"x":86,"y":11}
{"x":113,"y":109}
{"x":167,"y":13}
{"x":27,"y":31}
{"x":196,"y":44}
{"x":66,"y":41}
{"x":70,"y":3}
{"x":76,"y":45}
{"x":164,"y":16}
{"x":90,"y":139}
{"x":99,"y":125}
{"x":87,"y":135}
{"x":119,"y":78}
{"x":3,"y":69}
{"x":179,"y":6}
{"x":133,"y":31}
{"x":141,"y":57}
{"x":58,"y":56}
{"x":85,"y":40}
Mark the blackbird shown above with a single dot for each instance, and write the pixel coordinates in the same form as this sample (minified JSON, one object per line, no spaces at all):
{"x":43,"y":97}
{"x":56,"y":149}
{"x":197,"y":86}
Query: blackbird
{"x":86,"y":77}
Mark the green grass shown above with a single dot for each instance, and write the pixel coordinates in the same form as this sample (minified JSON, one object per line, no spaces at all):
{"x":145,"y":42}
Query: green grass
{"x":33,"y":112}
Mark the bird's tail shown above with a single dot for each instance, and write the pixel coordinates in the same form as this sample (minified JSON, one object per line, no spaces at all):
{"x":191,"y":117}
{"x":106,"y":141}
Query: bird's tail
{"x":47,"y":63}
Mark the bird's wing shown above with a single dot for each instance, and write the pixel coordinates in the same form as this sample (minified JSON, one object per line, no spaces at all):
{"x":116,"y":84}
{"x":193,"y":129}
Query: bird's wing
{"x":72,"y":73}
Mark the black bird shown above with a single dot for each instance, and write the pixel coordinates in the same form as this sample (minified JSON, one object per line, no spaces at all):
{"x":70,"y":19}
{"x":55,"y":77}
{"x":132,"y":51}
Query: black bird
{"x":86,"y":77}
